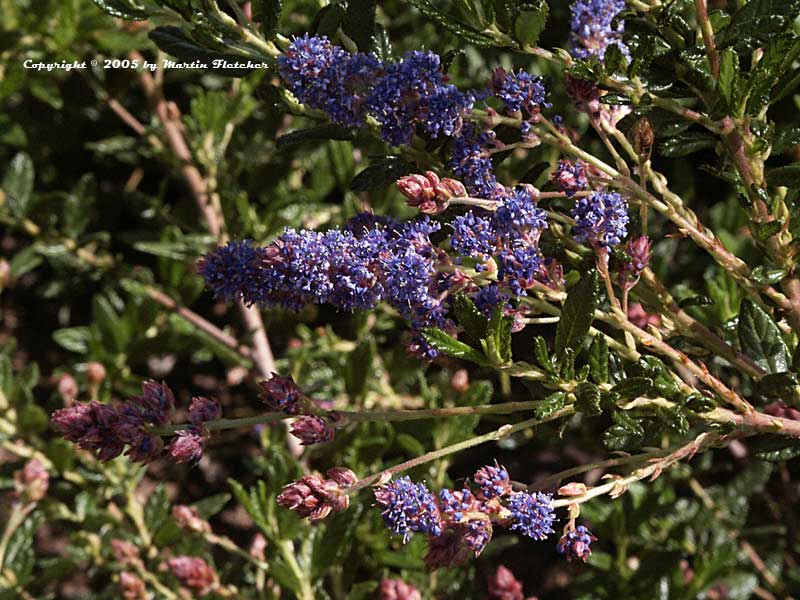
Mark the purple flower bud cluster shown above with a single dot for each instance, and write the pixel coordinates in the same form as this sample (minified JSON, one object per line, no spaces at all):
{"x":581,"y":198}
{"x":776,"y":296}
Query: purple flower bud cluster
{"x":594,"y":30}
{"x":369,"y":261}
{"x":601,"y":219}
{"x":315,"y":497}
{"x":575,"y":544}
{"x":281,"y":394}
{"x":570,"y":177}
{"x":510,"y":235}
{"x":459,"y":524}
{"x":106,"y":430}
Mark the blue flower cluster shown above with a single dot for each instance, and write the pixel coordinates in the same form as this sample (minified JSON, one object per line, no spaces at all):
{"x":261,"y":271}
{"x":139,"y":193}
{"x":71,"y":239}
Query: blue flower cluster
{"x":460,"y":523}
{"x":532,"y":514}
{"x":601,"y":219}
{"x":408,"y":508}
{"x":520,"y":91}
{"x":369,"y":261}
{"x":593,"y":28}
{"x":406,"y":96}
{"x":510,"y":235}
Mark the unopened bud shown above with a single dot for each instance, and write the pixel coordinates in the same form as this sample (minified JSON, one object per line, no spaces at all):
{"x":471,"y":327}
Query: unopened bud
{"x":187,"y":445}
{"x":450,"y":188}
{"x":638,"y":249}
{"x":5,"y":273}
{"x":204,"y":409}
{"x":194,"y":573}
{"x":131,"y":587}
{"x":460,"y":381}
{"x":67,"y":388}
{"x":258,"y":547}
{"x":314,"y":497}
{"x":504,"y":586}
{"x":31,"y":481}
{"x":95,"y":372}
{"x":343,"y":476}
{"x":642,"y":138}
{"x":187,"y":517}
{"x":397,"y":589}
{"x":311,"y":429}
{"x":428,"y":193}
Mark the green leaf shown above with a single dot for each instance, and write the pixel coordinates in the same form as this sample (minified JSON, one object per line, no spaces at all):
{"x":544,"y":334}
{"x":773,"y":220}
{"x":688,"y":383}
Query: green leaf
{"x":687,"y":143}
{"x":728,"y":76}
{"x":587,"y":399}
{"x":208,"y":507}
{"x":74,"y":339}
{"x":615,"y":61}
{"x":447,"y":344}
{"x":779,"y":55}
{"x":18,"y":184}
{"x":633,"y":387}
{"x":530,"y":22}
{"x":123,"y":9}
{"x":469,"y":317}
{"x":497,"y":343}
{"x":329,"y":19}
{"x":757,"y":21}
{"x":359,"y":23}
{"x":268,"y":13}
{"x":775,"y":448}
{"x":577,"y":313}
{"x":625,"y":433}
{"x":329,"y":131}
{"x":777,"y":385}
{"x":766,"y":275}
{"x":380,"y":174}
{"x":446,"y":21}
{"x":542,"y":355}
{"x":598,"y":359}
{"x":695,"y":301}
{"x":761,"y":339}
{"x":788,"y":176}
{"x":175,"y":42}
{"x":553,"y":403}
{"x":764,"y":231}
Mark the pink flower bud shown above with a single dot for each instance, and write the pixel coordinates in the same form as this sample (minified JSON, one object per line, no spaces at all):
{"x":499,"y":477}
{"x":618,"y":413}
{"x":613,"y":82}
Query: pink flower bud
{"x":281,"y":394}
{"x":187,"y":517}
{"x":67,"y":388}
{"x":258,"y":547}
{"x":187,"y":445}
{"x":311,"y":429}
{"x":640,"y":317}
{"x":343,"y":476}
{"x":314,"y":497}
{"x":125,"y":553}
{"x":5,"y":273}
{"x":131,"y":587}
{"x":31,"y":481}
{"x":450,"y":188}
{"x":504,"y":586}
{"x":194,"y":573}
{"x":397,"y":589}
{"x":459,"y":382}
{"x":95,"y":372}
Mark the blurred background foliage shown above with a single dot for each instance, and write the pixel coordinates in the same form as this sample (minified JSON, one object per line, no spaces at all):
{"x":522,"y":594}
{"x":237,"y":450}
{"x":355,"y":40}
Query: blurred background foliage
{"x":97,"y":224}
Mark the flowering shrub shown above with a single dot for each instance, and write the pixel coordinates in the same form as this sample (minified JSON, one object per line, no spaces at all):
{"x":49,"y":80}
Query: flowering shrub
{"x":400,"y":301}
